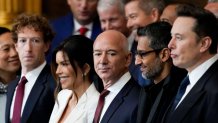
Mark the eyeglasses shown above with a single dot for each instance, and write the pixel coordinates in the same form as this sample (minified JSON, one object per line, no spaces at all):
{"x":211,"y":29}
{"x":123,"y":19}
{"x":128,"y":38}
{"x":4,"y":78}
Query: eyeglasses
{"x":143,"y":54}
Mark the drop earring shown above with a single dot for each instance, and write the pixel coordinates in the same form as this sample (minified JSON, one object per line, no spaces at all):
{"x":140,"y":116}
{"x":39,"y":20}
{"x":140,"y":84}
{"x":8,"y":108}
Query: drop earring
{"x":83,"y":75}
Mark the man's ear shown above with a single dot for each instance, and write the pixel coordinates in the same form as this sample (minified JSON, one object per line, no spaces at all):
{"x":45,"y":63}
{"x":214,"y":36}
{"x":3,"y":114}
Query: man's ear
{"x":129,"y":59}
{"x":154,"y":14}
{"x":205,"y":43}
{"x":164,"y":54}
{"x":47,"y":46}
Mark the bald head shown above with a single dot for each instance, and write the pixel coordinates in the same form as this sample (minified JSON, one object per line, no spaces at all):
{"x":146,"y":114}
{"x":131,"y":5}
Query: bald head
{"x":113,"y":36}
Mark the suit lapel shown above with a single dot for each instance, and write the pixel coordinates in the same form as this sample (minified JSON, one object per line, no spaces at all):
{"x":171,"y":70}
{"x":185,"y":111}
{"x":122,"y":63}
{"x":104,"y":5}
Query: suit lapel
{"x":10,"y":93}
{"x":194,"y":95}
{"x":118,"y":100}
{"x":96,"y":30}
{"x":34,"y":95}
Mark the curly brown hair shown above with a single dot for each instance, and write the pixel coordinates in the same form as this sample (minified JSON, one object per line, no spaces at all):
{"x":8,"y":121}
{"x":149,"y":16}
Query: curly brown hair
{"x":38,"y":23}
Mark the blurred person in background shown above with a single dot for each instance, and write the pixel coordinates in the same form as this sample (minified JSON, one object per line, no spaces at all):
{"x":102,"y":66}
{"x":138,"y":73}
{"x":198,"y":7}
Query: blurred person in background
{"x":82,"y":19}
{"x":112,"y":17}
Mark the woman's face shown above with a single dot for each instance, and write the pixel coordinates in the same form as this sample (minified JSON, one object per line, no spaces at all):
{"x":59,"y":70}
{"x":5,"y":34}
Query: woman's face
{"x":65,"y":72}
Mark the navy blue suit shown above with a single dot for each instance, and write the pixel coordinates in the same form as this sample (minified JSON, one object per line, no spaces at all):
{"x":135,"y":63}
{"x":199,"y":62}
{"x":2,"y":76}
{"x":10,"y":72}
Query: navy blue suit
{"x":123,"y":109}
{"x":63,"y":28}
{"x":200,"y":104}
{"x":40,"y":101}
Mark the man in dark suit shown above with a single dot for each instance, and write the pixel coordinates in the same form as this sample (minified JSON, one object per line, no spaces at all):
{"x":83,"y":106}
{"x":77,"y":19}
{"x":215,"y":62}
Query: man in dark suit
{"x":194,"y":47}
{"x":83,"y":14}
{"x":153,"y":57}
{"x":33,"y":103}
{"x":111,"y":60}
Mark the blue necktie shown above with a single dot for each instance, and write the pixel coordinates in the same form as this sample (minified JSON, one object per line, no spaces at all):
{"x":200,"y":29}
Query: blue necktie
{"x":185,"y":82}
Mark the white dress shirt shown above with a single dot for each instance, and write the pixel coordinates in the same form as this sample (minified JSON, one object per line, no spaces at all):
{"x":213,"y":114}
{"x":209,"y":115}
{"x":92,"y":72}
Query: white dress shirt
{"x":31,"y":78}
{"x":77,"y":26}
{"x":114,"y":90}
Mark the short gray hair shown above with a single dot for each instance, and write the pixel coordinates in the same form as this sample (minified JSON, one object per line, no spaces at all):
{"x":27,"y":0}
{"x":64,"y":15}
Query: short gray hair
{"x":105,"y":4}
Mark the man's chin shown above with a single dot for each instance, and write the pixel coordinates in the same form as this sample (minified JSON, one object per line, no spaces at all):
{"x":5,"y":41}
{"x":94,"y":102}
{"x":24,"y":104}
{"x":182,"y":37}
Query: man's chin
{"x":144,"y":76}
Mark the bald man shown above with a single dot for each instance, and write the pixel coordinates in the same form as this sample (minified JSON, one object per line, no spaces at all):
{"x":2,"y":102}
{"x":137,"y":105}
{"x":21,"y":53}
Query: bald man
{"x":111,"y":60}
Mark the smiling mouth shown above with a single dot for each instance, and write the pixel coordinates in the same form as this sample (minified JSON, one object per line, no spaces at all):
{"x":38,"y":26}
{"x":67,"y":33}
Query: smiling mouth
{"x":14,"y":60}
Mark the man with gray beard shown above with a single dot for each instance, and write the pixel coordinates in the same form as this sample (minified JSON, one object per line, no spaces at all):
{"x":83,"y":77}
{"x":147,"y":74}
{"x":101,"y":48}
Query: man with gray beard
{"x":153,"y":57}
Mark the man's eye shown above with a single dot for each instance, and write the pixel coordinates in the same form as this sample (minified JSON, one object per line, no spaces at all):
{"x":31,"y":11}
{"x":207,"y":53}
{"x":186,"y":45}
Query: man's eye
{"x":6,"y":49}
{"x":111,"y":53}
{"x":36,"y":40}
{"x":178,"y":38}
{"x":22,"y":40}
{"x":132,"y":16}
{"x":97,"y":54}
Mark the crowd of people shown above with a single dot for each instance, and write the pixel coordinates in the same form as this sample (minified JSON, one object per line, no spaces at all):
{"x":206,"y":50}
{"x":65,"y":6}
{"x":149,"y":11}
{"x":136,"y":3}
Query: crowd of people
{"x":112,"y":61}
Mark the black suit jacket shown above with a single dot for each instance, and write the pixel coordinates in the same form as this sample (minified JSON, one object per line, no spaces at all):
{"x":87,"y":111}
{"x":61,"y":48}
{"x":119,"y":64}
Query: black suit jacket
{"x":201,"y":104}
{"x":153,"y":111}
{"x":40,"y":101}
{"x":123,"y":109}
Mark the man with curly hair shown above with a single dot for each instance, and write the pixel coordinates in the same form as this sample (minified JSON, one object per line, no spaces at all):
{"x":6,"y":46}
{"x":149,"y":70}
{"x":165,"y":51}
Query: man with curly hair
{"x":30,"y":97}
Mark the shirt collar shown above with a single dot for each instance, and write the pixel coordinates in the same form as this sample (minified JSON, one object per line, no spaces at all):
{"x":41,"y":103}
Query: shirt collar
{"x":77,"y":25}
{"x":32,"y":75}
{"x":117,"y":86}
{"x":198,"y":72}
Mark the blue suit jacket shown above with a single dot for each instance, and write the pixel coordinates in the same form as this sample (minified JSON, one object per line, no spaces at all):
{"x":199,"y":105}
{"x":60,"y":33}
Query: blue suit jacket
{"x":40,"y":102}
{"x":123,"y":109}
{"x":63,"y":28}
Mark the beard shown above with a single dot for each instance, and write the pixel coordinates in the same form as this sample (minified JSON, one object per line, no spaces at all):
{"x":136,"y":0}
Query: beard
{"x":153,"y":71}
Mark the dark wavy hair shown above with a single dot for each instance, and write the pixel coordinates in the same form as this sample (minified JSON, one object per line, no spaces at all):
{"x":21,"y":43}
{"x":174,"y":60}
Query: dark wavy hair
{"x":79,"y":50}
